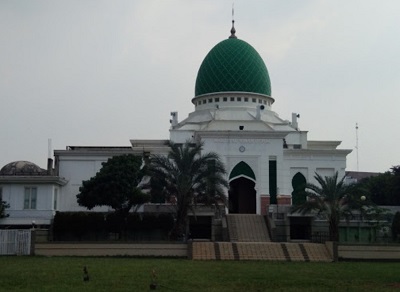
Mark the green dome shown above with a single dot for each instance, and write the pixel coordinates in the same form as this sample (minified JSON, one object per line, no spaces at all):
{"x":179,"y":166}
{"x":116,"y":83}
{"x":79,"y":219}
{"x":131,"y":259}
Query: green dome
{"x":233,"y":65}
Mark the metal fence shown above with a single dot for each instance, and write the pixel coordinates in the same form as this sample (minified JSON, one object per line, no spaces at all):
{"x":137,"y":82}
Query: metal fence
{"x":15,"y":242}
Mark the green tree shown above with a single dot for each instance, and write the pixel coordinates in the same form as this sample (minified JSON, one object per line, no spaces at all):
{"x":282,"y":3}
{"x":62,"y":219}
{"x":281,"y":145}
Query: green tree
{"x":188,"y":177}
{"x":3,"y":207}
{"x":396,"y":226}
{"x":116,"y":185}
{"x":395,"y":170}
{"x":333,"y":200}
{"x":384,"y":188}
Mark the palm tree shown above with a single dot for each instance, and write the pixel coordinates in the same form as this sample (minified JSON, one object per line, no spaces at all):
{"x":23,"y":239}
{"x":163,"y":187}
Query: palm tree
{"x":188,"y":177}
{"x":332,"y":199}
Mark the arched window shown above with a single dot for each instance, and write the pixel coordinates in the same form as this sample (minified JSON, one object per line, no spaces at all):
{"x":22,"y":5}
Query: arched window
{"x":242,"y":169}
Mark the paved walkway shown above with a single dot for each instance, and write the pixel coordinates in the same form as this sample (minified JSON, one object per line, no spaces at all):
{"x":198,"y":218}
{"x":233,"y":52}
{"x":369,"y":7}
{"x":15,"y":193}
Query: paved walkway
{"x":273,"y":251}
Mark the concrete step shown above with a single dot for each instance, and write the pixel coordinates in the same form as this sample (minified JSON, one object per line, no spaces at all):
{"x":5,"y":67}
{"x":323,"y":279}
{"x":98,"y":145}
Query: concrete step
{"x":269,"y":251}
{"x":317,"y":252}
{"x":203,"y":251}
{"x":247,"y":228}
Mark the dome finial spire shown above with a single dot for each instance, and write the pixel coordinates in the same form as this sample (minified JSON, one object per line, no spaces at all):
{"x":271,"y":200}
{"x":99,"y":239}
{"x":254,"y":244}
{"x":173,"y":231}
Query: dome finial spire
{"x":233,"y":30}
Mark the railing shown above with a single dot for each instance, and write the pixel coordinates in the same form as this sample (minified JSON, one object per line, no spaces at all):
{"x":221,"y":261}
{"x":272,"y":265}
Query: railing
{"x":320,"y":237}
{"x":15,"y":242}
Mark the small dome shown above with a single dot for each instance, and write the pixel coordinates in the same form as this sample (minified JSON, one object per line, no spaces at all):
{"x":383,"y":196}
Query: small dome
{"x":233,"y":65}
{"x":21,"y":168}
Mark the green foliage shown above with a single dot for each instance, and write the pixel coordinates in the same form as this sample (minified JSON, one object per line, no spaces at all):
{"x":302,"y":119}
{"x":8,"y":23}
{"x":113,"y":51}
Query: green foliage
{"x":115,"y":185}
{"x":384,"y":189}
{"x":188,"y":177}
{"x":396,"y":226}
{"x":332,"y":199}
{"x":91,"y":226}
{"x":157,"y":191}
{"x":77,"y":225}
{"x":3,"y":207}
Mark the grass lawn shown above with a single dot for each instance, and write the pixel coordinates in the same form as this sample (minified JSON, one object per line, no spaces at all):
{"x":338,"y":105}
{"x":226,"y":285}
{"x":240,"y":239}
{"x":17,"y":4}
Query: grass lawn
{"x":134,"y":274}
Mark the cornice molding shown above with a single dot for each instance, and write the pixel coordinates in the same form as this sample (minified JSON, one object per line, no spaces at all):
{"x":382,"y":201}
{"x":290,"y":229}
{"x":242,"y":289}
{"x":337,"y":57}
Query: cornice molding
{"x":16,"y":179}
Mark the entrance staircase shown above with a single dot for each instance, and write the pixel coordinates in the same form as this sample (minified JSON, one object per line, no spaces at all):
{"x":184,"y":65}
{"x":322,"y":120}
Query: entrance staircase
{"x":250,"y":240}
{"x":247,"y":228}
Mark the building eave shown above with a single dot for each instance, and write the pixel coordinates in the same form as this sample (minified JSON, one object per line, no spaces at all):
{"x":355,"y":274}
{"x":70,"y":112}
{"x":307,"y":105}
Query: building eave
{"x":99,"y":152}
{"x":17,"y":179}
{"x":302,"y":152}
{"x":144,"y":147}
{"x":242,"y":134}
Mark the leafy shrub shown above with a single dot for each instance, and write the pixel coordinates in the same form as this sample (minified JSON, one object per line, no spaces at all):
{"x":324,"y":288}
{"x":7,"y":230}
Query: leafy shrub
{"x":396,"y":226}
{"x":97,"y":225}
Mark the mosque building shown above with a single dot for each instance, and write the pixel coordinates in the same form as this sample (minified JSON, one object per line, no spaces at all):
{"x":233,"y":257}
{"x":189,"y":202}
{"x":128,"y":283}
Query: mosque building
{"x":267,"y":158}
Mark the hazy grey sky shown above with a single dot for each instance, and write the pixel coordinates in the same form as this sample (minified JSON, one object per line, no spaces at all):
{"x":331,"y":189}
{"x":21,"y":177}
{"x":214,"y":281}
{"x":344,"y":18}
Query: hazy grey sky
{"x":103,"y":72}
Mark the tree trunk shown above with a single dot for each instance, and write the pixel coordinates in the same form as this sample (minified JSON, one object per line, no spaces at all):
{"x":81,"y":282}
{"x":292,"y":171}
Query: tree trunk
{"x":179,"y":229}
{"x":334,"y":229}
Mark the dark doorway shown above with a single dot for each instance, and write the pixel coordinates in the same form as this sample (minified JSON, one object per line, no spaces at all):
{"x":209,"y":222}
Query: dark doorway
{"x":299,"y":195}
{"x":300,"y":228}
{"x":200,"y":227}
{"x":242,"y":196}
{"x":273,"y":187}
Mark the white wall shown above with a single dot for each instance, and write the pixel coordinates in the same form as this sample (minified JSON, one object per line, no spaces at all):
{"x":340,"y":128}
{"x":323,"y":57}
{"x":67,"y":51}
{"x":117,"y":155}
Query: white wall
{"x":75,"y":169}
{"x":257,"y":155}
{"x":310,"y":162}
{"x":14,"y":195}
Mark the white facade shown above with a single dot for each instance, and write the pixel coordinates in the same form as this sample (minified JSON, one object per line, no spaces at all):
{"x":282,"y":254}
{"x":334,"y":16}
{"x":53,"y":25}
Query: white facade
{"x":42,"y":212}
{"x":243,"y":131}
{"x":80,"y":163}
{"x":33,"y":197}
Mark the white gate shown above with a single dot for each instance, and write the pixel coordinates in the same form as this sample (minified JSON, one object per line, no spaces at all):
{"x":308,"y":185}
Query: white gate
{"x":15,"y":242}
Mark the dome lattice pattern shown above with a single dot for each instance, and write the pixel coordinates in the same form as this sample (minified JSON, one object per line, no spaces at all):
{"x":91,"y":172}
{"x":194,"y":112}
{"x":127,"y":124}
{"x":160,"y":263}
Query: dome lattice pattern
{"x":233,"y":65}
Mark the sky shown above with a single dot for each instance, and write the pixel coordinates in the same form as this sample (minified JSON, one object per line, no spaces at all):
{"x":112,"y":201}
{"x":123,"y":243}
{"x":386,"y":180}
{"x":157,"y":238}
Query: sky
{"x":99,"y":73}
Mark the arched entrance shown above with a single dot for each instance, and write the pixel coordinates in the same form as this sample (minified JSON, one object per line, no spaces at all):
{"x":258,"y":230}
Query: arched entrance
{"x":242,"y":195}
{"x":299,"y":186}
{"x":300,"y":226}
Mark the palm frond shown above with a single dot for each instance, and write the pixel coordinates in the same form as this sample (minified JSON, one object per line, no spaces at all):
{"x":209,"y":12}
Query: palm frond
{"x":190,"y":176}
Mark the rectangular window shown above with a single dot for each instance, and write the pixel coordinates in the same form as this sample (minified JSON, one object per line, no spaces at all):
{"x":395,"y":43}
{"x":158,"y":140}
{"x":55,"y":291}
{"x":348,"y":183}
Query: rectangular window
{"x":30,"y":198}
{"x":239,"y":99}
{"x":232,"y":99}
{"x":272,"y":181}
{"x":217,"y":99}
{"x":210,"y":100}
{"x":254,"y":100}
{"x":55,"y":198}
{"x":204,"y":101}
{"x":225,"y":99}
{"x":246,"y":99}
